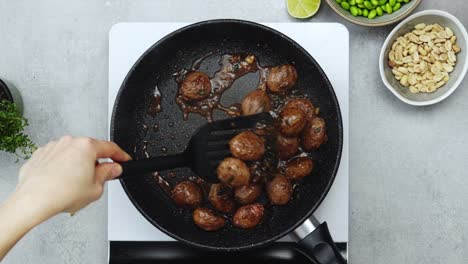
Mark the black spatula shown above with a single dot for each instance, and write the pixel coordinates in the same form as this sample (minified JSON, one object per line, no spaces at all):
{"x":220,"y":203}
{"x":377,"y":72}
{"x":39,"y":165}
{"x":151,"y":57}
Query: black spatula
{"x":207,"y":147}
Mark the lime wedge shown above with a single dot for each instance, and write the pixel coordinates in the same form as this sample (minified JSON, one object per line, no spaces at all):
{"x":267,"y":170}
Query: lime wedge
{"x":303,"y":8}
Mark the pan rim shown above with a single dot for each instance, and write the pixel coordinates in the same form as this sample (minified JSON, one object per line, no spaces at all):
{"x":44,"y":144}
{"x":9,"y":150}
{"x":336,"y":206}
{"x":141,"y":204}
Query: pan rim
{"x":339,"y":121}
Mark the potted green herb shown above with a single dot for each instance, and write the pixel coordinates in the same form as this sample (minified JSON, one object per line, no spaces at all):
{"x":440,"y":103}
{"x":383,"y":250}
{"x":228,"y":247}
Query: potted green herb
{"x":12,"y":124}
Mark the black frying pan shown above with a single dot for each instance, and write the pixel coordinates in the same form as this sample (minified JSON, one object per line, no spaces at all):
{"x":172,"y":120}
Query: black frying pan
{"x":132,"y":127}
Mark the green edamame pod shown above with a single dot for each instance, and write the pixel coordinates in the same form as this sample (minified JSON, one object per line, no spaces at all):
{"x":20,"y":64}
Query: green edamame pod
{"x":389,"y":8}
{"x":359,"y":11}
{"x":382,"y":2}
{"x":384,"y":8}
{"x":379,"y":11}
{"x":345,"y":5}
{"x":372,"y":14}
{"x":339,"y":1}
{"x":375,"y":2}
{"x":365,"y":12}
{"x":392,"y":2}
{"x":368,"y":5}
{"x":361,"y":6}
{"x":352,"y":2}
{"x":359,"y":2}
{"x":396,"y":6}
{"x":354,"y":11}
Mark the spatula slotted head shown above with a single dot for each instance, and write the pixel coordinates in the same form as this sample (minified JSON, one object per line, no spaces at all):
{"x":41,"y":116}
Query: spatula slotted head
{"x":210,"y":143}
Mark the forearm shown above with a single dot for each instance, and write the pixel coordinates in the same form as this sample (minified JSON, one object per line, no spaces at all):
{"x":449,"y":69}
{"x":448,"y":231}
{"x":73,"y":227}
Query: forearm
{"x":60,"y":177}
{"x":18,"y":214}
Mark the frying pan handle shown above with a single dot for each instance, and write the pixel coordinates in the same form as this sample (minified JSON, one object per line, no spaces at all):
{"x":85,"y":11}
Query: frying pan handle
{"x":137,"y":168}
{"x":318,"y":244}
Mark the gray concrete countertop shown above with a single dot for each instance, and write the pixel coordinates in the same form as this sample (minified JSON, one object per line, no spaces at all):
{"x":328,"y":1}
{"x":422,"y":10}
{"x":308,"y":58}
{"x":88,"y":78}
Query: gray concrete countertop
{"x":408,"y":165}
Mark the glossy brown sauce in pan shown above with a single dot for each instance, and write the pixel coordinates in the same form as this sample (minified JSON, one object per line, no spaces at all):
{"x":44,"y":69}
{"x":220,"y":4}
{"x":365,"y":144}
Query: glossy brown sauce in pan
{"x":232,"y":67}
{"x":163,"y":183}
{"x":155,"y":105}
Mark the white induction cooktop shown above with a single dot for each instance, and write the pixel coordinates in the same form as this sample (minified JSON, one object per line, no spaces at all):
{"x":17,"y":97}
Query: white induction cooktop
{"x":328,"y":43}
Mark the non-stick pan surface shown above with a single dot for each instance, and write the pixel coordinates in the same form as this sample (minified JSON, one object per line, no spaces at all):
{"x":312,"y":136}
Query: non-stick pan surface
{"x":132,"y":128}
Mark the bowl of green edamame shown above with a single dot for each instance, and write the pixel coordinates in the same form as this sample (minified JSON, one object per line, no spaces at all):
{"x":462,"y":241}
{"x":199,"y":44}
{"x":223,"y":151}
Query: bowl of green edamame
{"x":373,"y":13}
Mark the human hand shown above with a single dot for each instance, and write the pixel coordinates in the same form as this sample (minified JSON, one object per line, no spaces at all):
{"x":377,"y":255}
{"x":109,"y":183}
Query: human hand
{"x":64,"y":175}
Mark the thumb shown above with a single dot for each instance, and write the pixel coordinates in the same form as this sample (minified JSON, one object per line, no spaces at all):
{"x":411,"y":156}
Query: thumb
{"x":107,"y":171}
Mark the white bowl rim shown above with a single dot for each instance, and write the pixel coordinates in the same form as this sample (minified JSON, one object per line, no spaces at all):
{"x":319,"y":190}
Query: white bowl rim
{"x":393,"y":32}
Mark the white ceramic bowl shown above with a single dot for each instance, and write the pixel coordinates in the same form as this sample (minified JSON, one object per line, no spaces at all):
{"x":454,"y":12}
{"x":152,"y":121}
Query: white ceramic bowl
{"x":428,"y":17}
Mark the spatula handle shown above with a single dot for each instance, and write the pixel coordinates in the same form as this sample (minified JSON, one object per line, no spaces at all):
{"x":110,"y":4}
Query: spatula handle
{"x":135,"y":168}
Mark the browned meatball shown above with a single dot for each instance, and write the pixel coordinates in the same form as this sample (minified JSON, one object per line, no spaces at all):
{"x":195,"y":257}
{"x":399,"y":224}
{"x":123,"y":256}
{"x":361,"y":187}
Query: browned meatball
{"x":292,"y":121}
{"x":207,"y":220}
{"x":221,"y":197}
{"x":233,"y":172}
{"x":248,"y":216}
{"x":298,"y":168}
{"x":256,"y":102}
{"x":281,"y":79}
{"x":196,"y":86}
{"x":247,"y":146}
{"x":314,"y":134}
{"x":248,"y":193}
{"x":279,"y":190}
{"x":187,"y":194}
{"x":287,"y":146}
{"x":304,"y":104}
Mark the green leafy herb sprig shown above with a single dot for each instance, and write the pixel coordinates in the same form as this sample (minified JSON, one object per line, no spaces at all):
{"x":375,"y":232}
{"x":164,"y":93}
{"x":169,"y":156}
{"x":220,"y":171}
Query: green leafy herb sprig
{"x":12,"y":137}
